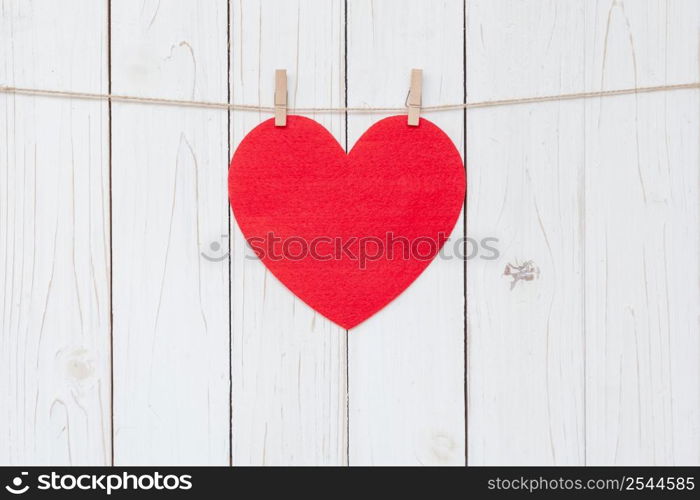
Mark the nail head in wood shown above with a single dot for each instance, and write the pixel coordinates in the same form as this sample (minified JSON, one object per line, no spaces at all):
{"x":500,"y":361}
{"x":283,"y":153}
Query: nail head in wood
{"x":280,"y":97}
{"x":415,"y":97}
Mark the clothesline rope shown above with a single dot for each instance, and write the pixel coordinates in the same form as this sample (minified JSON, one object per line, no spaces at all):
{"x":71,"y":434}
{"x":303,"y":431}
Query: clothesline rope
{"x":271,"y":109}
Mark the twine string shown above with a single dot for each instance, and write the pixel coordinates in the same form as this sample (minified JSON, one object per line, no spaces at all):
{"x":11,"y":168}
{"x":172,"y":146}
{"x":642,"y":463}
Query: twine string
{"x":351,"y":109}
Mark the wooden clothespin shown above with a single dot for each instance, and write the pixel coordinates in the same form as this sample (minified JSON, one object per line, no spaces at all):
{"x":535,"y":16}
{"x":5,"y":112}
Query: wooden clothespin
{"x":414,"y":97}
{"x":280,"y":98}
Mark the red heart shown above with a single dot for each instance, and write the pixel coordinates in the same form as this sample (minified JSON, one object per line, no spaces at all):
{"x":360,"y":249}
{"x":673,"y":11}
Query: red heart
{"x":300,"y":200}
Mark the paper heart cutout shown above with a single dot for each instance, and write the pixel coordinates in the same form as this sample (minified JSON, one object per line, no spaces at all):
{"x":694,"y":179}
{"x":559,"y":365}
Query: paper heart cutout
{"x":316,"y":217}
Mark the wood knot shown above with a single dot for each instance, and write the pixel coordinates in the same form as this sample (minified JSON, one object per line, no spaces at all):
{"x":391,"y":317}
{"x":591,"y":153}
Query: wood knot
{"x":443,"y":447}
{"x":78,"y":365}
{"x":527,"y":271}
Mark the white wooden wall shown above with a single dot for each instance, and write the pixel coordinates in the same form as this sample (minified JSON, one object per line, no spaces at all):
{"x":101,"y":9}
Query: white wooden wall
{"x":121,"y":344}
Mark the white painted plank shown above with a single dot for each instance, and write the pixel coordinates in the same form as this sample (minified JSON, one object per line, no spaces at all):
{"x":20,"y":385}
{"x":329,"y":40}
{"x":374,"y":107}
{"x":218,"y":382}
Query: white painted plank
{"x":288,"y":362}
{"x":406,"y":364}
{"x":54,"y":237}
{"x":169,"y":166}
{"x":525,"y":163}
{"x":642,"y":225}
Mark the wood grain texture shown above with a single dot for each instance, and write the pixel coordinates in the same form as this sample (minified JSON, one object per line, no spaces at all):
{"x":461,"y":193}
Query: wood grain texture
{"x":169,"y":169}
{"x":54,"y":237}
{"x":614,"y":190}
{"x":525,"y":167}
{"x":642,"y":223}
{"x":288,"y":362}
{"x":406,"y":364}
